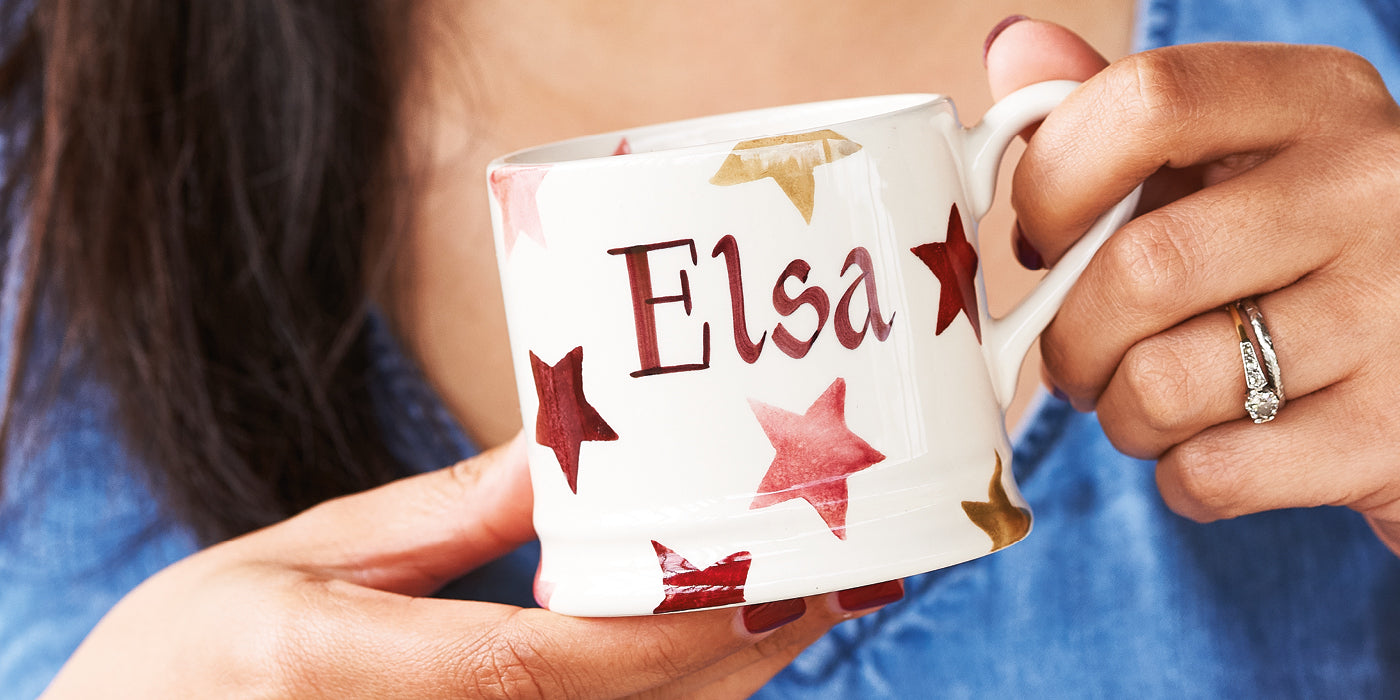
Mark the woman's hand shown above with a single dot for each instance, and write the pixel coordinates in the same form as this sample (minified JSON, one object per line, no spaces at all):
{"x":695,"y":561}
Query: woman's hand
{"x":1273,"y":171}
{"x":327,"y":604}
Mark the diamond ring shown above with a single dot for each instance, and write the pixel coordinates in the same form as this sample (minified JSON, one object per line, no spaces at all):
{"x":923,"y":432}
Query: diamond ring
{"x":1263,"y":383}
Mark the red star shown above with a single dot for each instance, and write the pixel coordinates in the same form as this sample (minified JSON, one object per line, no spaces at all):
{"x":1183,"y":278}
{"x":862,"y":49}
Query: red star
{"x":514,"y":189}
{"x":954,"y":262}
{"x":689,"y":588}
{"x":565,"y":418}
{"x":623,"y":148}
{"x":815,"y":454}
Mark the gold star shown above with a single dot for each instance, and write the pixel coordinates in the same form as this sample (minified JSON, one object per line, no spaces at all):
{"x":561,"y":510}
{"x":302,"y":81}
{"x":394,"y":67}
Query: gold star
{"x":789,"y":160}
{"x":1004,"y":523}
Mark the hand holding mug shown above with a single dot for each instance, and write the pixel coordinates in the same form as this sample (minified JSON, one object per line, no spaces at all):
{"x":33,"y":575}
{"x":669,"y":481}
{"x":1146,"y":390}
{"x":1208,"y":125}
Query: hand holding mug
{"x":1283,"y":192}
{"x":329,"y":604}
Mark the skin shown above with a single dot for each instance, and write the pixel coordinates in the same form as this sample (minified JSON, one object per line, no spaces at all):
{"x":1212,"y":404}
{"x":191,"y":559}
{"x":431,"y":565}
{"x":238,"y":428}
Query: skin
{"x":1281,"y":193}
{"x":329,"y":604}
{"x":1276,"y":191}
{"x":646,"y":65}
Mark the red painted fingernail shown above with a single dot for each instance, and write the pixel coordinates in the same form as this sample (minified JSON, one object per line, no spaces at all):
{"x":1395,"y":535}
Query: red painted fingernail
{"x":996,"y":32}
{"x":872,"y":596}
{"x":766,"y":617}
{"x":1026,"y":254}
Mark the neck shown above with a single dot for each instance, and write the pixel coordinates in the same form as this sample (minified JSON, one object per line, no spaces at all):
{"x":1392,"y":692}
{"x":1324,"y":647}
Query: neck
{"x":498,"y":75}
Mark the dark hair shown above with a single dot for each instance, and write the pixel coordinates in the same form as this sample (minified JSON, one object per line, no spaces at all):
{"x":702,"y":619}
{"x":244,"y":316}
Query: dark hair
{"x":201,"y":185}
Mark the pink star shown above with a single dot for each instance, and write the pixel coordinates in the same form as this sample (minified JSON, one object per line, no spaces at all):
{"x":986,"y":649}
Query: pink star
{"x":566,"y":419}
{"x":954,"y":262}
{"x":815,"y":454}
{"x":623,"y":148}
{"x":689,"y":588}
{"x":514,"y":188}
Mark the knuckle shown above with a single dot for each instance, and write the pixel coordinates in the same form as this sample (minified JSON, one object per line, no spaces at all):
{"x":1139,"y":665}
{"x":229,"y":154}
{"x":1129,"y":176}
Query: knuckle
{"x":1354,"y":76}
{"x":451,"y":486}
{"x":1369,"y":188}
{"x":278,"y":649}
{"x":1150,"y":260}
{"x":662,"y":655}
{"x":1159,"y":383}
{"x":464,"y":476}
{"x":772,"y":646}
{"x":1152,"y":87}
{"x":1157,"y":395}
{"x":1206,"y":488}
{"x":1061,"y":362}
{"x":507,"y":664}
{"x":1378,"y":182}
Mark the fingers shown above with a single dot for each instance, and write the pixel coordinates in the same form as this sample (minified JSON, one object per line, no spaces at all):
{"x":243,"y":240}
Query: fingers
{"x":1176,"y":384}
{"x":414,"y":535}
{"x":419,"y":647}
{"x":1177,"y":107}
{"x":1031,"y":51}
{"x":742,"y":674}
{"x":1036,"y":51}
{"x":1268,"y":168}
{"x":1306,"y":456}
{"x":1188,"y":258}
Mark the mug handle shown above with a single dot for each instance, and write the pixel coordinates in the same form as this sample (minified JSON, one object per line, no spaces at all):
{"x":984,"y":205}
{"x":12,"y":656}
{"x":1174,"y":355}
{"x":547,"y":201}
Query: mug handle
{"x":1009,"y":338}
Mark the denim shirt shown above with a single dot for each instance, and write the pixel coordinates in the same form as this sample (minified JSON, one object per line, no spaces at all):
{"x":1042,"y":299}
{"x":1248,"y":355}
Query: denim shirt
{"x":1111,"y":595}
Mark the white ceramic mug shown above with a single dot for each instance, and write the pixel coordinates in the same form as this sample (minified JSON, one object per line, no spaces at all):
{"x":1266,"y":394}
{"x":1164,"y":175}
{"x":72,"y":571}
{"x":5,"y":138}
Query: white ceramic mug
{"x":753,"y":350}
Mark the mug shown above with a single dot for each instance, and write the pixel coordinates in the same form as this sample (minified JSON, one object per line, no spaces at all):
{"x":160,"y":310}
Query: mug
{"x":753,"y":351}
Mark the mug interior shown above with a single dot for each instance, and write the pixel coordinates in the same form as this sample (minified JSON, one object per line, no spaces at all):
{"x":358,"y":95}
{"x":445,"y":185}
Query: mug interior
{"x":720,"y":129}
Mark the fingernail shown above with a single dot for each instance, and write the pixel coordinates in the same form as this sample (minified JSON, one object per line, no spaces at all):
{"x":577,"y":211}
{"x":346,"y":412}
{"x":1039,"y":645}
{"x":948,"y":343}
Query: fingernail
{"x":996,"y":32}
{"x":872,"y":596}
{"x":766,"y":617}
{"x":1026,"y":254}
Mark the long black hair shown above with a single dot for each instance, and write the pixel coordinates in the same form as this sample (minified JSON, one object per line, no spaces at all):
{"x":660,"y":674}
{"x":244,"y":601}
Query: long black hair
{"x":198,"y":185}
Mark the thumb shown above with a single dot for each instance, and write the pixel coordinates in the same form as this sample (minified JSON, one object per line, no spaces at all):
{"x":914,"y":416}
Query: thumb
{"x":414,"y":535}
{"x":1029,"y":51}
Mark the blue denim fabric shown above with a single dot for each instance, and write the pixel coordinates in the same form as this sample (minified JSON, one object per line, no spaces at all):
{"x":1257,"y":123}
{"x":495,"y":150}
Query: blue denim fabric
{"x":1111,"y":595}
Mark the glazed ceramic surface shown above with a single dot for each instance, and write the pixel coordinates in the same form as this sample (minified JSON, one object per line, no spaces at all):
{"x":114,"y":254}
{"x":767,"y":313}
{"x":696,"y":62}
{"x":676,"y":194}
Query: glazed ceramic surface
{"x":753,"y":352}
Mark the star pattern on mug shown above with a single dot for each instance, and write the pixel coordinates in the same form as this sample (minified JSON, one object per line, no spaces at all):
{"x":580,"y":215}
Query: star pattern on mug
{"x":514,"y":188}
{"x":566,"y":419}
{"x":689,"y":587}
{"x":1003,"y":521}
{"x":790,"y":160}
{"x":816,"y":452}
{"x":623,"y":148}
{"x":954,"y":263}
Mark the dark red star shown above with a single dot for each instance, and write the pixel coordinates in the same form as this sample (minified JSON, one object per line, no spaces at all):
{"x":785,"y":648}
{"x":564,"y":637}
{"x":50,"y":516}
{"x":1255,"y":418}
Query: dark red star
{"x":954,"y":262}
{"x":566,"y":419}
{"x":514,"y":188}
{"x":689,"y":588}
{"x":815,"y":454}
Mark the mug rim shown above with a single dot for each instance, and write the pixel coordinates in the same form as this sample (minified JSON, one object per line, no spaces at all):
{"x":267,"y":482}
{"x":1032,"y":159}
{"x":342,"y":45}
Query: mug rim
{"x":865,"y":108}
